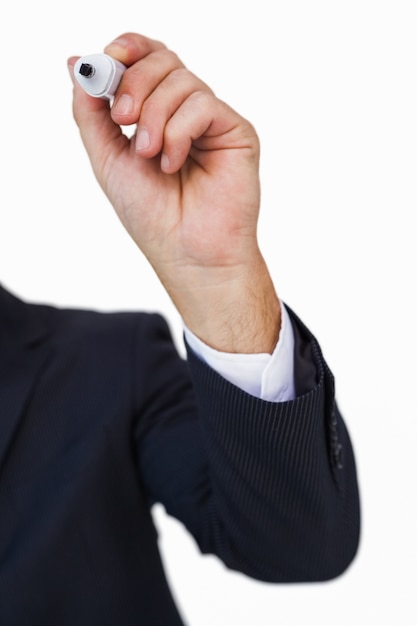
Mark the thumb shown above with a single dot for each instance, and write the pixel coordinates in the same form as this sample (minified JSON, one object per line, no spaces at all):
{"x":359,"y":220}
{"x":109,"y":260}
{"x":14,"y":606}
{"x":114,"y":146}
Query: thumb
{"x":92,"y":116}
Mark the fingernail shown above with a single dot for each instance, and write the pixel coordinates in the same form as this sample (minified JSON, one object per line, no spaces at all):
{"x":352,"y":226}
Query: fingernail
{"x":165,"y":162}
{"x":142,"y":139}
{"x":123,"y":105}
{"x":120,"y":41}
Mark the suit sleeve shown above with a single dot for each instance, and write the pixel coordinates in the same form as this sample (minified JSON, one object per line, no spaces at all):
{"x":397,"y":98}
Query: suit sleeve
{"x":270,"y":488}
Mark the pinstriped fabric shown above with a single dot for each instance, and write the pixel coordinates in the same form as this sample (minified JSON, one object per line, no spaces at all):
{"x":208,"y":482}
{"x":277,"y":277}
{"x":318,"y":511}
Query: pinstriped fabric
{"x":273,"y":476}
{"x":103,"y":420}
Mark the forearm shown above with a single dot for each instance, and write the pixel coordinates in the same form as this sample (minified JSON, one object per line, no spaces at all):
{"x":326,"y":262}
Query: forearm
{"x":256,"y":482}
{"x":265,"y":376}
{"x":235,"y":311}
{"x":287,"y":511}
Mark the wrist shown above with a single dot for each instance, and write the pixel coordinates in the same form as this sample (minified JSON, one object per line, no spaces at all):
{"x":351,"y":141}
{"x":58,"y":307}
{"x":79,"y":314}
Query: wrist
{"x":231,"y":309}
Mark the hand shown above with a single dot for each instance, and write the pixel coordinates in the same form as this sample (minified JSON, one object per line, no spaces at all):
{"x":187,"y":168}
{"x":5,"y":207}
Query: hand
{"x":185,"y":185}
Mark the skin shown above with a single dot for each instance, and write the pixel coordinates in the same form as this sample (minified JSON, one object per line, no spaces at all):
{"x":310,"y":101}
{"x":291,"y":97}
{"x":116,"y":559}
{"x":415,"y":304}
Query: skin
{"x":186,"y":187}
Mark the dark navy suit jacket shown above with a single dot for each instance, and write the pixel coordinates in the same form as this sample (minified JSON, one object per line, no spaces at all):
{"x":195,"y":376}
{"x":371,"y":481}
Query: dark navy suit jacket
{"x":100,"y":418}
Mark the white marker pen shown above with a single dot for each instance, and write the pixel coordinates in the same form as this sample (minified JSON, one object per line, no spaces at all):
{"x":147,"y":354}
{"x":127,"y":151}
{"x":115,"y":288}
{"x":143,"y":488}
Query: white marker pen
{"x":99,"y":74}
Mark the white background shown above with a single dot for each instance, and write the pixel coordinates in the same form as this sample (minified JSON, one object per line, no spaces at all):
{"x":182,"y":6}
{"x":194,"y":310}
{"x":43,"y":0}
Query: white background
{"x":331,"y":88}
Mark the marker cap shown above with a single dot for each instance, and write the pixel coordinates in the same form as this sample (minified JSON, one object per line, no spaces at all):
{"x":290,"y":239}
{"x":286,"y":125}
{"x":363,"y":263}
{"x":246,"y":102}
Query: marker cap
{"x":99,"y":74}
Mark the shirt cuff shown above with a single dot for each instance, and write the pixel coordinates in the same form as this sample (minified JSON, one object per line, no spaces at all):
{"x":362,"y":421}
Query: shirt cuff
{"x":265,"y":376}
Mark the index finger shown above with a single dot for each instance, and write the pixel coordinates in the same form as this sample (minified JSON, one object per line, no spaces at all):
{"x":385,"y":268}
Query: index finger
{"x":131,"y":47}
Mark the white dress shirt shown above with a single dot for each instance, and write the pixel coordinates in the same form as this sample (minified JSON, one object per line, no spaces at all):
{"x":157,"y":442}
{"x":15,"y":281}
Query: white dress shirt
{"x":265,"y":376}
